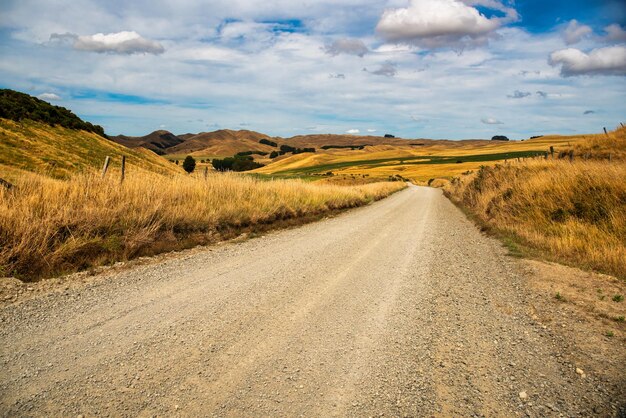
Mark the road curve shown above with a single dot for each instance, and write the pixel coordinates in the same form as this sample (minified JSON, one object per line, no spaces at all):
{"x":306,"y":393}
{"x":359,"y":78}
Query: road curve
{"x":400,"y":308}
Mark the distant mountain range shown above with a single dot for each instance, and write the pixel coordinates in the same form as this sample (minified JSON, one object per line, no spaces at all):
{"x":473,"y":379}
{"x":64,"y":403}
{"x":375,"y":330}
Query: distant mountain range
{"x":227,"y":142}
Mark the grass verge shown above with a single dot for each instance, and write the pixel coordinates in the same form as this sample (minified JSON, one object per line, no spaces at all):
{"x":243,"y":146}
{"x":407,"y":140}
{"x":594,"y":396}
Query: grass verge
{"x":573,"y":213}
{"x":50,"y":227}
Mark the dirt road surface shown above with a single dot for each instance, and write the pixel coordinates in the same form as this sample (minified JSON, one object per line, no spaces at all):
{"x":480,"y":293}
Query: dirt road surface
{"x":400,"y":308}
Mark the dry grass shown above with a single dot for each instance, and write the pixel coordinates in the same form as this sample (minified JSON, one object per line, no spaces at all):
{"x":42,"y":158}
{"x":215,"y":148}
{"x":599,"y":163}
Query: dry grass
{"x":574,"y":213}
{"x":50,"y":226}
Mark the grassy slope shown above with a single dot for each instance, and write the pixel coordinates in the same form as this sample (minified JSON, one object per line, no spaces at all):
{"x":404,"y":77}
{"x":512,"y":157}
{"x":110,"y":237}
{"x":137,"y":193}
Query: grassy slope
{"x":59,"y":152}
{"x":50,"y":226}
{"x":573,"y":213}
{"x":435,"y":159}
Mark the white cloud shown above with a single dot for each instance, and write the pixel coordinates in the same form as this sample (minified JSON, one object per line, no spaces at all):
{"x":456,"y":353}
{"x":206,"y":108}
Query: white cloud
{"x":346,"y":46}
{"x":353,"y":131}
{"x":575,"y":32}
{"x":371,"y":130}
{"x":49,"y":97}
{"x":125,"y":42}
{"x":439,"y":23}
{"x":615,"y":33}
{"x":491,"y":121}
{"x":601,"y":61}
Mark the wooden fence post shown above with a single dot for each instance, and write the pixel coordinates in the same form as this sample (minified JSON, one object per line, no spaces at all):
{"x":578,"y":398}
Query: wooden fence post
{"x":571,"y":156}
{"x":6,"y":184}
{"x":552,"y":151}
{"x":107,"y":161}
{"x":123,"y":168}
{"x":206,"y":172}
{"x":605,"y":132}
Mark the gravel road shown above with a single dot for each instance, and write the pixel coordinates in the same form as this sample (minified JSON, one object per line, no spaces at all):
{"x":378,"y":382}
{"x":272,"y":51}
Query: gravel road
{"x":400,"y":308}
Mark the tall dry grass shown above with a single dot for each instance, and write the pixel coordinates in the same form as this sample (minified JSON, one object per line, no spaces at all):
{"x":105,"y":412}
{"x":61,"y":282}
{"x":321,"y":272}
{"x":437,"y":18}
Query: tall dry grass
{"x":571,"y":212}
{"x":49,"y":226}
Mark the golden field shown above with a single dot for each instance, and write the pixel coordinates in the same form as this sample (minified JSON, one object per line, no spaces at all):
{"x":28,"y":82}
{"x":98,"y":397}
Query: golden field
{"x":419,"y":163}
{"x":52,"y":226}
{"x":571,"y":212}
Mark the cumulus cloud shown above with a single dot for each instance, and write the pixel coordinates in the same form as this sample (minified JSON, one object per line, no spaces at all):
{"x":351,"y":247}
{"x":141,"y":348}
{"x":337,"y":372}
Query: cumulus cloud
{"x":386,"y":69}
{"x":575,"y":32}
{"x":353,"y":131}
{"x":125,"y":42}
{"x":346,"y":46}
{"x":49,"y":96}
{"x":589,"y":112}
{"x":601,"y":61}
{"x":491,"y":121}
{"x":615,"y":33}
{"x":519,"y":94}
{"x":542,"y":94}
{"x":440,"y":23}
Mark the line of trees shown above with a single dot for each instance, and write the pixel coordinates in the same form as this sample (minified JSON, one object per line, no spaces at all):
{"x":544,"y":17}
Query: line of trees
{"x":18,"y":106}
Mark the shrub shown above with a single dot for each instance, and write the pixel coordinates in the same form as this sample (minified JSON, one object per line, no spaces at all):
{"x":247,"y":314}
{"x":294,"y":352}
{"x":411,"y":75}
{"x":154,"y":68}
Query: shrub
{"x":274,"y":154}
{"x":189,"y":164}
{"x":499,"y":138}
{"x":268,"y":142}
{"x":236,"y":163}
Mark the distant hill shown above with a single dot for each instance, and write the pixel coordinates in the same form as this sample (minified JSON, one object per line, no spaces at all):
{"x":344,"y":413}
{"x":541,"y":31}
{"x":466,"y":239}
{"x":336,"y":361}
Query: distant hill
{"x":226,"y":142}
{"x":157,"y":141}
{"x":59,"y":152}
{"x":18,"y":106}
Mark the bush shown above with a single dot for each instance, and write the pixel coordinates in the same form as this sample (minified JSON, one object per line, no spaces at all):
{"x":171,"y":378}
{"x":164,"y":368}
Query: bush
{"x":236,"y":163}
{"x":189,"y":164}
{"x":274,"y":154}
{"x":499,"y":138}
{"x":268,"y":142}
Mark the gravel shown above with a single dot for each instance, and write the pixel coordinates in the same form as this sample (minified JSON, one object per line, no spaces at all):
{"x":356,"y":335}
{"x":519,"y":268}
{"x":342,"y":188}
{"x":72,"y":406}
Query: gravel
{"x":400,"y":308}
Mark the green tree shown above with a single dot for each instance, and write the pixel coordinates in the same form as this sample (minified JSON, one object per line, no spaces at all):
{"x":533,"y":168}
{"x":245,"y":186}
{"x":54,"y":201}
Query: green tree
{"x":189,"y":164}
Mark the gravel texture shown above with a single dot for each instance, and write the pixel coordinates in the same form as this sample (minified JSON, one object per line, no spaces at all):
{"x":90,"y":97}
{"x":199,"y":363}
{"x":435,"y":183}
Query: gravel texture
{"x":400,"y":308}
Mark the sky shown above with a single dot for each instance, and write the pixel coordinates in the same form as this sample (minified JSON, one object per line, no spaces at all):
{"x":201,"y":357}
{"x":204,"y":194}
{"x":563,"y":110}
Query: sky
{"x":455,"y":69}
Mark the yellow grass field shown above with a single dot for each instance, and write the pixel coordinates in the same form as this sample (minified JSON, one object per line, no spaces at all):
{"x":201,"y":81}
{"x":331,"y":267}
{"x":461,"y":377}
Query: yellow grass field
{"x":52,"y":226}
{"x":60,"y":152}
{"x":434,"y":159}
{"x":571,"y":212}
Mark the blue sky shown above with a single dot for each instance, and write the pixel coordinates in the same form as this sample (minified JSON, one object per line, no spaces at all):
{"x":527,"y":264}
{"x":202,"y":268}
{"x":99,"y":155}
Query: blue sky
{"x":415,"y":68}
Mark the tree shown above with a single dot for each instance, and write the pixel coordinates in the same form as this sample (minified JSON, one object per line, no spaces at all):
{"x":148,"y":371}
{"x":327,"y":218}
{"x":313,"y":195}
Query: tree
{"x":499,"y":138}
{"x":189,"y":164}
{"x":274,"y":154}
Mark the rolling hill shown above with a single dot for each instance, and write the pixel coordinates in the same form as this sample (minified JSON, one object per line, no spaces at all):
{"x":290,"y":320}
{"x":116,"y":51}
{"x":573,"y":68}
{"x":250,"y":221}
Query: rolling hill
{"x":39,"y":137}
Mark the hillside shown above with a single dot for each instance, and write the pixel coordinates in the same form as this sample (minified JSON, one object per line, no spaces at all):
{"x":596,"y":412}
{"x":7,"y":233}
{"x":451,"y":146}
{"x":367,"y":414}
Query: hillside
{"x":18,"y":106}
{"x":59,"y":152}
{"x":157,"y":141}
{"x":573,"y":212}
{"x":223,"y":142}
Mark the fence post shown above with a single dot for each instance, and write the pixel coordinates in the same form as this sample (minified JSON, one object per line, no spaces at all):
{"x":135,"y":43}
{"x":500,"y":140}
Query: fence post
{"x":6,"y":184}
{"x":123,"y":168}
{"x":605,"y":132}
{"x":552,"y":151}
{"x":206,"y":172}
{"x":571,"y":156}
{"x":107,"y":161}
